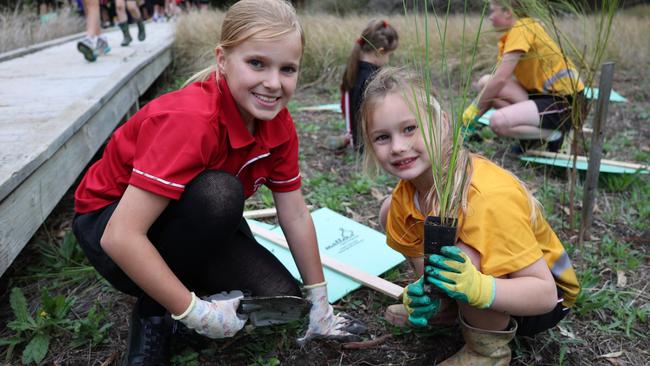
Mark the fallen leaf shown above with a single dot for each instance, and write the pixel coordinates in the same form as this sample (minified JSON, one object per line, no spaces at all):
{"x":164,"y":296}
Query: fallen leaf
{"x":611,"y":354}
{"x":377,"y":194}
{"x":621,"y":279}
{"x":355,"y":216}
{"x":566,"y":210}
{"x":567,"y":333}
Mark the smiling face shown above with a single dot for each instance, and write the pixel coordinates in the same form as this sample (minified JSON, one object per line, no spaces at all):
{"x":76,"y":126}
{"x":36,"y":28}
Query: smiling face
{"x":262,"y":74}
{"x":396,"y":140}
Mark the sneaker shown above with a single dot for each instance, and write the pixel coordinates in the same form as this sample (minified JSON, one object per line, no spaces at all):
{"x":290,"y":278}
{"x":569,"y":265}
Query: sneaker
{"x":149,"y":340}
{"x":87,"y":48}
{"x":102,"y":48}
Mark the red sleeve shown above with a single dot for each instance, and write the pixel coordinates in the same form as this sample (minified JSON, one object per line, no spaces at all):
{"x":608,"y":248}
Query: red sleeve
{"x":171,"y":150}
{"x":285,"y":175}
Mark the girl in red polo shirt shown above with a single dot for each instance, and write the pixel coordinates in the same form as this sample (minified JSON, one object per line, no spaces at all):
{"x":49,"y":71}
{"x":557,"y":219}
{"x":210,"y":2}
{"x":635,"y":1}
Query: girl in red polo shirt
{"x":160,"y":214}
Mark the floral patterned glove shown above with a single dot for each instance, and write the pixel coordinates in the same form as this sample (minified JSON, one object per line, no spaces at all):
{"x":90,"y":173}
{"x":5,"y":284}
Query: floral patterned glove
{"x":323,"y":324}
{"x":216,"y":318}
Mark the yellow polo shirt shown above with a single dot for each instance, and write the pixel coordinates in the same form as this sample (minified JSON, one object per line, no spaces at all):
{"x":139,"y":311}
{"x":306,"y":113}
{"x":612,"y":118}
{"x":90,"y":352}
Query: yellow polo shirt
{"x":542,"y":69}
{"x":497,"y":225}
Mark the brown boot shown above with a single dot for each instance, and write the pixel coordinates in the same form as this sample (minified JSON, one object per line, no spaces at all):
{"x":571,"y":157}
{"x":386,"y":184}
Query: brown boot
{"x":397,"y":315}
{"x":483,"y":347}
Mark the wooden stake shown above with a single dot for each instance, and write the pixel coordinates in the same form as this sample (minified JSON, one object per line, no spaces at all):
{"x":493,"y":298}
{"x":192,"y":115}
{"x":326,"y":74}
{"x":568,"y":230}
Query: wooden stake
{"x":264,"y":212}
{"x":376,"y":283}
{"x":622,"y":164}
{"x":596,"y":151}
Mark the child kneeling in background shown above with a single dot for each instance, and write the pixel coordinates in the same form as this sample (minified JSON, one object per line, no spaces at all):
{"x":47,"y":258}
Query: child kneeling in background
{"x":508,"y":272}
{"x":371,"y":51}
{"x":535,"y":86}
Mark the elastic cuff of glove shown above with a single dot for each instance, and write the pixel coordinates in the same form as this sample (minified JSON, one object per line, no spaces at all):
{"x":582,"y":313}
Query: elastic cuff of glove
{"x":188,"y":310}
{"x":314,"y":285}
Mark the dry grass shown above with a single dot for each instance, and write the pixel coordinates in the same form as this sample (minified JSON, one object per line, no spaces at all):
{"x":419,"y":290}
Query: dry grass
{"x":330,"y":39}
{"x":24,"y":28}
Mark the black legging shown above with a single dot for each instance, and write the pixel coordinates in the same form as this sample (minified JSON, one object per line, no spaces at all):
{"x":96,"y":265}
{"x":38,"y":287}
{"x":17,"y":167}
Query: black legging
{"x":203,"y":239}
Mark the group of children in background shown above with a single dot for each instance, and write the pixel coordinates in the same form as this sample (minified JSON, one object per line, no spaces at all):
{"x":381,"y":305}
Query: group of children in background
{"x":102,"y":13}
{"x":160,"y":214}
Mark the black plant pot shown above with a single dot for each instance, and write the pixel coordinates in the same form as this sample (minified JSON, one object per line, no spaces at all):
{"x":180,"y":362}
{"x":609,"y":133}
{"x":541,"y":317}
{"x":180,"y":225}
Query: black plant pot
{"x":437,"y":236}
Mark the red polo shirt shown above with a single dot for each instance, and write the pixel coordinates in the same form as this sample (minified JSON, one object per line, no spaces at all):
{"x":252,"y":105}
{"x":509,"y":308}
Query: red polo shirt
{"x":178,"y":135}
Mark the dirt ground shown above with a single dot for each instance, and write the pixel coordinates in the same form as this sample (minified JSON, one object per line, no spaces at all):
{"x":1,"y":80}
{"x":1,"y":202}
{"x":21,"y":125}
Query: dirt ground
{"x":578,"y":341}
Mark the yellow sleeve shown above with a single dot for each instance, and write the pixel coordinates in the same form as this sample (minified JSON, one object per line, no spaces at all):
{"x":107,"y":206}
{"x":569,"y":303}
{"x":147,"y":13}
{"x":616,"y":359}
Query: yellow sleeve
{"x":520,"y":38}
{"x":497,"y":225}
{"x":403,"y":232}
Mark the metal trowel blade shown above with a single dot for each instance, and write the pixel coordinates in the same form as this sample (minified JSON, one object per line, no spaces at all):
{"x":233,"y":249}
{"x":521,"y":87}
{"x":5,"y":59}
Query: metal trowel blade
{"x":273,"y":310}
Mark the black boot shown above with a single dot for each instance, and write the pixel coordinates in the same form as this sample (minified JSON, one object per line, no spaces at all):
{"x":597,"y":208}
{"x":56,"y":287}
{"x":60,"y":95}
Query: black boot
{"x":141,"y":34}
{"x":127,"y":36}
{"x":149,"y":339}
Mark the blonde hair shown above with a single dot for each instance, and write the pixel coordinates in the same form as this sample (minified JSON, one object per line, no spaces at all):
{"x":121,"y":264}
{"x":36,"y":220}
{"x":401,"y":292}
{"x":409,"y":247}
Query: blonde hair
{"x":254,"y":19}
{"x":377,"y":34}
{"x":422,"y":100}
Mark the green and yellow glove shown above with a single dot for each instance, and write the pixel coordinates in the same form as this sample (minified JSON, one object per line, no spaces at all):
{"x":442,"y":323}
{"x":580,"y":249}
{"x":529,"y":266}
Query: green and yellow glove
{"x":454,"y":273}
{"x":418,"y":304}
{"x":470,"y":114}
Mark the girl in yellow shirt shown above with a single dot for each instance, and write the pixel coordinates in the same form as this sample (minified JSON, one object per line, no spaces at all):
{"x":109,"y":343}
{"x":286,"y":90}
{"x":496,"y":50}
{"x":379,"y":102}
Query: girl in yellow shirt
{"x":534,"y":84}
{"x":508,"y":272}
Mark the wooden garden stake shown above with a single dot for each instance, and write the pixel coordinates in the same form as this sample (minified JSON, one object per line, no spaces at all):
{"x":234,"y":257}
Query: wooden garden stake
{"x":376,"y":283}
{"x":596,"y":151}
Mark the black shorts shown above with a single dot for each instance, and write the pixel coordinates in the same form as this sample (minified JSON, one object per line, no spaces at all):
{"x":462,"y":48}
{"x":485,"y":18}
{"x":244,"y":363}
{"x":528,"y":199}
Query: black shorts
{"x":531,"y":325}
{"x":554,"y":111}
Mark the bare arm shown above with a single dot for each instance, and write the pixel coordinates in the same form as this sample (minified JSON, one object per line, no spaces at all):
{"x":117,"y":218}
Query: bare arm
{"x":125,"y":241}
{"x":498,"y":80}
{"x":298,"y":228}
{"x":529,"y":291}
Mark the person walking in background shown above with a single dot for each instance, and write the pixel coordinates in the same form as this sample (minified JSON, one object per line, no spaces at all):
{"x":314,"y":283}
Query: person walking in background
{"x":94,"y":44}
{"x":120,"y":7}
{"x":534,"y":86}
{"x":370,"y":52}
{"x":507,"y":272}
{"x":160,"y":214}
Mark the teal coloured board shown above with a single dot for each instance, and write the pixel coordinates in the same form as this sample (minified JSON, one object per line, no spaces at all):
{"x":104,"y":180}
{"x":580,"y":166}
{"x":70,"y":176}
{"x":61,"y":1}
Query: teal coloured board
{"x":592,"y":93}
{"x":345,"y":240}
{"x":485,"y":118}
{"x":580,"y":165}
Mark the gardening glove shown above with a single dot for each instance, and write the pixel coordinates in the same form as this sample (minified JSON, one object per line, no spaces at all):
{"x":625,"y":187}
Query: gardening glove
{"x":454,"y":273}
{"x":470,"y":114}
{"x":324,"y":324}
{"x":418,"y":304}
{"x":215,"y":318}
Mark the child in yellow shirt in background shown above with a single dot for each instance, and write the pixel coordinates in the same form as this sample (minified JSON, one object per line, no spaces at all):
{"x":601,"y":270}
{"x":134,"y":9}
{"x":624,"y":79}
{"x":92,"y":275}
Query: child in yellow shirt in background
{"x":508,"y":272}
{"x":534,"y":85}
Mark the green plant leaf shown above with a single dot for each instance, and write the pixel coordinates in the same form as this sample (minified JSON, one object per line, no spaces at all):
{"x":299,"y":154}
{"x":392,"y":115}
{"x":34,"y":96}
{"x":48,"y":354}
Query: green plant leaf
{"x":11,"y":341}
{"x":19,"y":306}
{"x":36,"y":349}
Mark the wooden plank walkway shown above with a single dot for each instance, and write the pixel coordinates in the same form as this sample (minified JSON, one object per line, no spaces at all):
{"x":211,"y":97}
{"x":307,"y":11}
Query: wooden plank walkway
{"x":56,"y":111}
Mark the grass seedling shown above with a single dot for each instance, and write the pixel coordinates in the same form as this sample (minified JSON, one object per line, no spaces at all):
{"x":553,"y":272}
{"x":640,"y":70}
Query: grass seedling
{"x":448,"y":179}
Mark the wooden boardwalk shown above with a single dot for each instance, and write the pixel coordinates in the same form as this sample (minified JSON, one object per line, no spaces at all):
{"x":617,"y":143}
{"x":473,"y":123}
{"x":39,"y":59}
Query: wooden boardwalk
{"x":56,"y":111}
